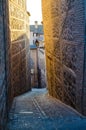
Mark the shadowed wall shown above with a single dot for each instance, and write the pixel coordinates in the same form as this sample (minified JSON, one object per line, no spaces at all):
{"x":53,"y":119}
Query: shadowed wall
{"x":64,"y":28}
{"x":19,"y":46}
{"x":14,"y":54}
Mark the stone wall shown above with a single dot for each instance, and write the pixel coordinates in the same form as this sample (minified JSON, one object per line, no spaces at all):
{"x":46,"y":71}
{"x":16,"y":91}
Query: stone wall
{"x":19,"y":47}
{"x":4,"y":59}
{"x":2,"y":71}
{"x":14,"y":54}
{"x":64,"y":28}
{"x":34,"y":66}
{"x":41,"y":67}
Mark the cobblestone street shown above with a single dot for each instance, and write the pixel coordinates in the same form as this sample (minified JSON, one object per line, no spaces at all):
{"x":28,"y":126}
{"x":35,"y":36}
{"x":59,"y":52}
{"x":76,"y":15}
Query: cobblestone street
{"x":36,"y":110}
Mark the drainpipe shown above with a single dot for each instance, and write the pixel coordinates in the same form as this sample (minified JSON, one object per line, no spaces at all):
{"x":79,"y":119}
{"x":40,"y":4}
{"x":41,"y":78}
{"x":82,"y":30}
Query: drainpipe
{"x":84,"y":66}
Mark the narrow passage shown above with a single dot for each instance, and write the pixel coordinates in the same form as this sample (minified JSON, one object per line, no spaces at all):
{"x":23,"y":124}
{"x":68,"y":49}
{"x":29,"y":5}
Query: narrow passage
{"x":37,"y":110}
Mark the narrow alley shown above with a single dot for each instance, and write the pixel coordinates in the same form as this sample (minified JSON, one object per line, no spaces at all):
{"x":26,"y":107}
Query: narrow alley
{"x":37,"y":110}
{"x":43,"y":46}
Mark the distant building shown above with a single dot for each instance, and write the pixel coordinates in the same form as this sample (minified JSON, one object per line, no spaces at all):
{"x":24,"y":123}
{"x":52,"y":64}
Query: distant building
{"x":34,"y":62}
{"x":37,"y":56}
{"x":36,"y":33}
{"x":41,"y":67}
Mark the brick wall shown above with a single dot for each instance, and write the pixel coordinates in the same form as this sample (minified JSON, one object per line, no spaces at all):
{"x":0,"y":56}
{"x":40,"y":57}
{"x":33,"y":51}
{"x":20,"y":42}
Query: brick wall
{"x":19,"y":47}
{"x":14,"y":54}
{"x":64,"y":28}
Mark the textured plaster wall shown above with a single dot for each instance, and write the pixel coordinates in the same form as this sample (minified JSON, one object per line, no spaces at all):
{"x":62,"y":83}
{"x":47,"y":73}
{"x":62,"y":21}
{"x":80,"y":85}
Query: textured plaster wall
{"x":64,"y":28}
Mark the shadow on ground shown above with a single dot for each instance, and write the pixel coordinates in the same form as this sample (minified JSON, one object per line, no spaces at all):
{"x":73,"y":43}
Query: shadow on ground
{"x":36,"y":110}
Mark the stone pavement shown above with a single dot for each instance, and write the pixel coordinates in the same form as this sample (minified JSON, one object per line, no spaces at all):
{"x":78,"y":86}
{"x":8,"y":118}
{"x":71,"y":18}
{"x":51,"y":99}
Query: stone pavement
{"x":36,"y":110}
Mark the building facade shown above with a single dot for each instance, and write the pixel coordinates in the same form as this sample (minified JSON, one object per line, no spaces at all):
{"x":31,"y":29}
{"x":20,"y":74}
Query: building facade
{"x":34,"y":66}
{"x":19,"y":47}
{"x":14,"y":54}
{"x":41,"y":67}
{"x":64,"y":29}
{"x":37,"y":55}
{"x":36,"y":33}
{"x":3,"y":73}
